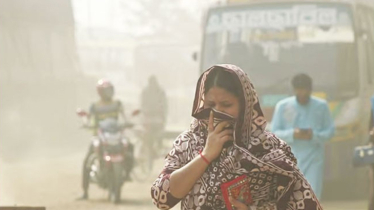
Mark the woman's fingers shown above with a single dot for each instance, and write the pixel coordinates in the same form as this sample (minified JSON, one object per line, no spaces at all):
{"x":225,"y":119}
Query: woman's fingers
{"x":226,"y":138}
{"x":237,"y":204}
{"x":226,"y":132}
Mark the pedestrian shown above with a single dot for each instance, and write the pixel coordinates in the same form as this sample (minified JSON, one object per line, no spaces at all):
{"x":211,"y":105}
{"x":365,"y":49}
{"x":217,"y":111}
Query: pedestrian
{"x":305,"y":123}
{"x":154,"y":109}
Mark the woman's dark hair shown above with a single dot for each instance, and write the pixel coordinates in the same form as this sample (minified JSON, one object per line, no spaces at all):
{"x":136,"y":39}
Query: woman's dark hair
{"x":302,"y":81}
{"x":219,"y":77}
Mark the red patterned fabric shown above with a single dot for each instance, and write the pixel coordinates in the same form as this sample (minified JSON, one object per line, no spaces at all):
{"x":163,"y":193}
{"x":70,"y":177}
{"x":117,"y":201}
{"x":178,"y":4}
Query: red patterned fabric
{"x":238,"y":189}
{"x":276,"y":182}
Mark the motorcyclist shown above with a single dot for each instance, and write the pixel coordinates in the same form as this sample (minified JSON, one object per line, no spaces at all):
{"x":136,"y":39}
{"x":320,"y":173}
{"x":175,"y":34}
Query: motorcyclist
{"x":103,"y":109}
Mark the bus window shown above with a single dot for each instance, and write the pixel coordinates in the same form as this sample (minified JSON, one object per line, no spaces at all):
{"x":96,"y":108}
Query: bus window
{"x":285,"y":39}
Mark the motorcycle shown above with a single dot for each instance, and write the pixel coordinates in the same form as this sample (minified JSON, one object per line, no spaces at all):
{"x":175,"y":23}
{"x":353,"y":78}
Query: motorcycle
{"x":111,"y":148}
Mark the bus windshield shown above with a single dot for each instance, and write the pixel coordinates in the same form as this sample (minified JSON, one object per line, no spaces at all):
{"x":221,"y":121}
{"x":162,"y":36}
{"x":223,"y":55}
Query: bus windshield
{"x":273,"y":42}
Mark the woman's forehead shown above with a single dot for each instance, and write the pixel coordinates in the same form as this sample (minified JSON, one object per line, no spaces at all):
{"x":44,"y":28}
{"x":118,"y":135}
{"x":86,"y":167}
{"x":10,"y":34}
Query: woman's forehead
{"x":219,"y":94}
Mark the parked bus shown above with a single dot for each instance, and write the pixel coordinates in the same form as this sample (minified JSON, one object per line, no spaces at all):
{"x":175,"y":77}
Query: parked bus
{"x":332,"y":41}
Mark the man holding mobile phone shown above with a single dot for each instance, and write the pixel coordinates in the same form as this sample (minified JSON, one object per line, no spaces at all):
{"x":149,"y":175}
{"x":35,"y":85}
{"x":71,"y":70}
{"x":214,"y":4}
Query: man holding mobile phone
{"x":305,"y":123}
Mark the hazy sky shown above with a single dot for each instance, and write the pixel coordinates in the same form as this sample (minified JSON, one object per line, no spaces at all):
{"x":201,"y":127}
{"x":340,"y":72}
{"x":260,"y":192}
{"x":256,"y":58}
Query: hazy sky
{"x":111,"y":14}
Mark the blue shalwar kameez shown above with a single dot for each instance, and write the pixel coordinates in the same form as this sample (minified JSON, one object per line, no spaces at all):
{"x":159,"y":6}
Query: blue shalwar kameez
{"x":315,"y":115}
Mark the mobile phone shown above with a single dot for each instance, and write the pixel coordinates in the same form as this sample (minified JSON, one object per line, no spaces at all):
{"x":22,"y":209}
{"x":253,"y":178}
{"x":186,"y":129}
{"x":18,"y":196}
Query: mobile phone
{"x":304,"y":130}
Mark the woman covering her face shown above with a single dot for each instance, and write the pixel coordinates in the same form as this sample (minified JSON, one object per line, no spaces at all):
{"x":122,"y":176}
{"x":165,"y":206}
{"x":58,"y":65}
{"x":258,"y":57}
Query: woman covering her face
{"x":208,"y":154}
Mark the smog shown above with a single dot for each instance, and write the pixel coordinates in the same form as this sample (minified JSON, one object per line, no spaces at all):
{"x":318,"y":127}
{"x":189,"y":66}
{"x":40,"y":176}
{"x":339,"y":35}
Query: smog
{"x":53,"y":54}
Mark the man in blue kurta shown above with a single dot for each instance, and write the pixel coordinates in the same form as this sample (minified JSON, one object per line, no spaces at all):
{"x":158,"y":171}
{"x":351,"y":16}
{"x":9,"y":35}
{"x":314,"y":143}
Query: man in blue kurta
{"x":305,"y":123}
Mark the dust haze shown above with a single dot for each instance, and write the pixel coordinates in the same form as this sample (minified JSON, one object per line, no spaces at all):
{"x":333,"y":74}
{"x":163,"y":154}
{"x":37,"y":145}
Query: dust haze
{"x":52,"y":52}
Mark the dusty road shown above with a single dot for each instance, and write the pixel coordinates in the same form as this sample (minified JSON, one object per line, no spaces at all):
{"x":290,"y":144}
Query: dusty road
{"x":54,"y":182}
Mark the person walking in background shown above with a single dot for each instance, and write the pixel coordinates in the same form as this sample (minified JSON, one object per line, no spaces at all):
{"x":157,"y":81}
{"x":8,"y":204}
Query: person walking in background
{"x":154,"y":108}
{"x":305,"y":123}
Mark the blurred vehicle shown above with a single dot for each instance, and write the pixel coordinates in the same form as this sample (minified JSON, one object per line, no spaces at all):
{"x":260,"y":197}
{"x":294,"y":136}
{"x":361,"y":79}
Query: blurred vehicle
{"x":144,"y":156}
{"x":107,"y":162}
{"x":332,"y":41}
{"x":149,"y":147}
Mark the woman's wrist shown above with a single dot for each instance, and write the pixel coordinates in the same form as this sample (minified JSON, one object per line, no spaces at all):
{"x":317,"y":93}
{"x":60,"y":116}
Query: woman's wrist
{"x":207,"y":155}
{"x":203,"y":156}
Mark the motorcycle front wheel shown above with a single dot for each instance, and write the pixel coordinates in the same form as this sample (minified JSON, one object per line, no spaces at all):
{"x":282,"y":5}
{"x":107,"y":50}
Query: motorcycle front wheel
{"x":116,"y":181}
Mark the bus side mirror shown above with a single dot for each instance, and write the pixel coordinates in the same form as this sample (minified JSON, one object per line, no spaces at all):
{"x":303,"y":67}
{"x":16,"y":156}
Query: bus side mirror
{"x":195,"y":56}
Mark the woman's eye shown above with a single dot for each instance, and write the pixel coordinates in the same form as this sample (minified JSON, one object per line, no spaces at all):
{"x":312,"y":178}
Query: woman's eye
{"x":209,"y":105}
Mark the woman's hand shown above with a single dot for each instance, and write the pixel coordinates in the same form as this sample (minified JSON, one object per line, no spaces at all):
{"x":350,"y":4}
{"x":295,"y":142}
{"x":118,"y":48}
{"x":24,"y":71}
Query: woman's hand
{"x":237,"y":204}
{"x":217,"y":137}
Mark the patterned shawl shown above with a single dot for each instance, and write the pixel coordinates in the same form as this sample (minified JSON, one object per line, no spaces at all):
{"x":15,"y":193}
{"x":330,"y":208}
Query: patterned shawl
{"x":267,"y":160}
